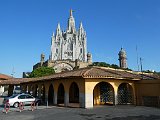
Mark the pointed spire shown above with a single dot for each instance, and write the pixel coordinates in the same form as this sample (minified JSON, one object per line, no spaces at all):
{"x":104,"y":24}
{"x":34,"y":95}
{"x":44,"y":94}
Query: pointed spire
{"x":58,"y":29}
{"x":53,"y":34}
{"x":58,"y":26}
{"x":71,"y":14}
{"x":71,"y":23}
{"x":81,"y":30}
{"x":81,"y":25}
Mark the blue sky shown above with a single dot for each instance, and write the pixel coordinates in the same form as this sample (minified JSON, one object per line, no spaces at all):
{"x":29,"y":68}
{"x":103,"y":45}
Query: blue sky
{"x":26,"y":27}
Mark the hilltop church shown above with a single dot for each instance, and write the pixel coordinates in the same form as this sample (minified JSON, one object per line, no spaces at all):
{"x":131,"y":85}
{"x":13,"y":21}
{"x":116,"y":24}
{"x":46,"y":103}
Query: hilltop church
{"x":84,"y":86}
{"x":68,"y":48}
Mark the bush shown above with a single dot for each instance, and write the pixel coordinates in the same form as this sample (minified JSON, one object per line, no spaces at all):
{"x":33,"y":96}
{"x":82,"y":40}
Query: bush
{"x":41,"y":71}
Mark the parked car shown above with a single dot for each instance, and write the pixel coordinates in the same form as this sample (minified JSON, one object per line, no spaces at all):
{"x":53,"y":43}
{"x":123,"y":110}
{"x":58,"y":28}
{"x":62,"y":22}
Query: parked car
{"x":26,"y":99}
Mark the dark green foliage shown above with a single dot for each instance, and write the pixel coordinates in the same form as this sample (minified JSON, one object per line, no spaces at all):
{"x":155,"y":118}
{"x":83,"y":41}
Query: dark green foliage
{"x":104,"y":64}
{"x":41,"y":71}
{"x":115,"y":66}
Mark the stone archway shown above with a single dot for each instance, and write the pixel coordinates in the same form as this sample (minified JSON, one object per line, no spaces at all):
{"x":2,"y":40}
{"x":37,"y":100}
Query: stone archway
{"x":60,"y":96}
{"x":62,"y":66}
{"x":103,"y":93}
{"x":74,"y":93}
{"x":50,"y":95}
{"x":125,"y":94}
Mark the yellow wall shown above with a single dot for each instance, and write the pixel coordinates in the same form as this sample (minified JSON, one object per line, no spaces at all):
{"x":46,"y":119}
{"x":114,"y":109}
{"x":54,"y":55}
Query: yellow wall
{"x":91,"y":83}
{"x":147,"y":88}
{"x":86,"y":87}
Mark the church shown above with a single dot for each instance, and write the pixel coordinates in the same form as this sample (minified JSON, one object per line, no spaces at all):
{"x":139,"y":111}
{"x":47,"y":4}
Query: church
{"x":75,"y":83}
{"x":68,"y":48}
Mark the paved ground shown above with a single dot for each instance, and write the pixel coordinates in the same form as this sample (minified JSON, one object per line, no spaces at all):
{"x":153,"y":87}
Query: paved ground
{"x":97,"y":113}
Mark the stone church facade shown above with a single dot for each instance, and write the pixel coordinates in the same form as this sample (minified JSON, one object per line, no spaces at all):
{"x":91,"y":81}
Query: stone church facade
{"x":68,"y":48}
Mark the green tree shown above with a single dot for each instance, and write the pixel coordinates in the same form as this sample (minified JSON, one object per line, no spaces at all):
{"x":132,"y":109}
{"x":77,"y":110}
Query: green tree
{"x":104,"y":64}
{"x":115,"y":66}
{"x":41,"y":71}
{"x":101,"y":64}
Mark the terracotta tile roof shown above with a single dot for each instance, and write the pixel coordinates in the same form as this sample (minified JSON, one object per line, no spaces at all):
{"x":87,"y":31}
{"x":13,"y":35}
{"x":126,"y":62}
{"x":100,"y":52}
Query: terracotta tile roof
{"x":4,"y":77}
{"x":90,"y":72}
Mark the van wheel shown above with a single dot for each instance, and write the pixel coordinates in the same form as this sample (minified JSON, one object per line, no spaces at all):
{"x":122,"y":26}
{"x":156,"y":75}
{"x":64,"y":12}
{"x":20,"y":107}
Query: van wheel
{"x":16,"y":104}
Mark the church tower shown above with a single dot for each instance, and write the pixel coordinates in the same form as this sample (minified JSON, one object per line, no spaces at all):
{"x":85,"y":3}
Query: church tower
{"x":122,"y":58}
{"x":70,"y":44}
{"x":68,"y":48}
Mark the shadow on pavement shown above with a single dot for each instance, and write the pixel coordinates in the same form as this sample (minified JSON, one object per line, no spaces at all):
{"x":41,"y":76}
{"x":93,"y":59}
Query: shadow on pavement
{"x":151,"y":117}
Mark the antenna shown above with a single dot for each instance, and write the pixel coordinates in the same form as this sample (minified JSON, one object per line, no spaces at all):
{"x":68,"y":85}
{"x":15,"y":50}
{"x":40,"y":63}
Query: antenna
{"x":12,"y":74}
{"x":137,"y":57}
{"x":141,"y":67}
{"x":141,"y":64}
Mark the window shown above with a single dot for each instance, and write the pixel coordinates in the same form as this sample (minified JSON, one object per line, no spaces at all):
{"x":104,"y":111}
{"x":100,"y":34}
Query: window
{"x":13,"y":96}
{"x":22,"y":97}
{"x":28,"y":96}
{"x":56,"y":50}
{"x":81,"y":50}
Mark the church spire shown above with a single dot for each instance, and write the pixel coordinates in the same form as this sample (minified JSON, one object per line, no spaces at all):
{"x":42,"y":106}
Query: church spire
{"x":71,"y":12}
{"x":53,"y":34}
{"x":71,"y":23}
{"x":58,"y":31}
{"x":81,"y":25}
{"x":81,"y":30}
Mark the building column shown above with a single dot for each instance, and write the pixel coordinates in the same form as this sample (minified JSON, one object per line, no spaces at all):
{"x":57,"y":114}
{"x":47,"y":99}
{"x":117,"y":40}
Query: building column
{"x":1,"y":90}
{"x":29,"y":88}
{"x":39,"y":91}
{"x":66,"y":99}
{"x":10,"y":90}
{"x":46,"y":92}
{"x":82,"y":100}
{"x":33,"y":90}
{"x":115,"y":95}
{"x":88,"y":100}
{"x":134,"y":100}
{"x":115,"y":99}
{"x":55,"y":98}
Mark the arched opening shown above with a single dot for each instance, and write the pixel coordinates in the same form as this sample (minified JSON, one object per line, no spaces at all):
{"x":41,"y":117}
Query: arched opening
{"x":50,"y":95}
{"x":60,"y":97}
{"x":74,"y":93}
{"x":36,"y":91}
{"x":43,"y":93}
{"x":23,"y":89}
{"x":125,"y":94}
{"x":10,"y":90}
{"x":103,"y":94}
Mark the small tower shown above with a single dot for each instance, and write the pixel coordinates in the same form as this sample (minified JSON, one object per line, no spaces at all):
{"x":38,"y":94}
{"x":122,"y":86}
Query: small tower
{"x":122,"y":58}
{"x":89,"y":58}
{"x":42,"y":59}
